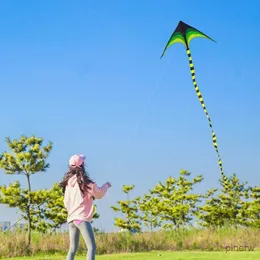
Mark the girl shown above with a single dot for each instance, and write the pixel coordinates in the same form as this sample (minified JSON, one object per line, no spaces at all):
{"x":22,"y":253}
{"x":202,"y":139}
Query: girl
{"x":79,"y":191}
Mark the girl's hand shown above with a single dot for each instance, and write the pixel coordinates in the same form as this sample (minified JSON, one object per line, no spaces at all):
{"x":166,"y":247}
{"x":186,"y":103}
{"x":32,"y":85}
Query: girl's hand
{"x":108,"y":184}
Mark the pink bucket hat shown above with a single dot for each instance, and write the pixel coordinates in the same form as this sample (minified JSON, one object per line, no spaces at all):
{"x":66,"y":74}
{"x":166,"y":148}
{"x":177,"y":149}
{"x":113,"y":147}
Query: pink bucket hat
{"x":77,"y":160}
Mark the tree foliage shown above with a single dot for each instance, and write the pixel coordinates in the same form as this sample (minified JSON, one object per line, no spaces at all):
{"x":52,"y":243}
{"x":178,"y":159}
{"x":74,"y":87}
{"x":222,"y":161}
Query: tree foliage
{"x":129,"y":209}
{"x":149,"y":212}
{"x":227,"y":207}
{"x":27,"y":156}
{"x":250,"y":213}
{"x":176,"y":203}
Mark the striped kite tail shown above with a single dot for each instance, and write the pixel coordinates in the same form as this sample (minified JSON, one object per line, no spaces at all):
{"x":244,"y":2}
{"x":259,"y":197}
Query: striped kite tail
{"x":214,"y":138}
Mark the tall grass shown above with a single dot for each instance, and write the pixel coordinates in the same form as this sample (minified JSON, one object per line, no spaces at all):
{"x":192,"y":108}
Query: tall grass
{"x":14,"y":244}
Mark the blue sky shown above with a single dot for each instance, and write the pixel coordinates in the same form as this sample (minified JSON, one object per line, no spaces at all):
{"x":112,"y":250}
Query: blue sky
{"x":87,"y":75}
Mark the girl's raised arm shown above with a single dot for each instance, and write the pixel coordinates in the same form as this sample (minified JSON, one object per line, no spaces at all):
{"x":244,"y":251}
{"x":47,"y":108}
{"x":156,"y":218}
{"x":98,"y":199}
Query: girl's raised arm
{"x":100,"y":192}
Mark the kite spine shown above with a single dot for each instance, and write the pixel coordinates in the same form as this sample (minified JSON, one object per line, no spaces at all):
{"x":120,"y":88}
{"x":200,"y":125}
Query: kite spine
{"x":214,"y":138}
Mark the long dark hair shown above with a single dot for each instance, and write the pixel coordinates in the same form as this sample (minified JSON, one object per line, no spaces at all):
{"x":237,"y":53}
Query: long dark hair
{"x":83,"y":179}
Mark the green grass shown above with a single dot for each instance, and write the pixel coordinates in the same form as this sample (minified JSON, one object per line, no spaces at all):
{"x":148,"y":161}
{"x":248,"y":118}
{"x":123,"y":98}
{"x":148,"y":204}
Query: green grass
{"x":163,"y":256}
{"x":184,"y":244}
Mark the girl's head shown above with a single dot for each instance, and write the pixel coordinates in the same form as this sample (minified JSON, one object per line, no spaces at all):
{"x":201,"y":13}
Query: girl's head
{"x":77,"y":160}
{"x":77,"y":168}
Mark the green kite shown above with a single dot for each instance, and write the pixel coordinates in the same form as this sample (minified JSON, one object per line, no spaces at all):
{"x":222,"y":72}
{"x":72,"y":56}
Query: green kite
{"x":184,"y":33}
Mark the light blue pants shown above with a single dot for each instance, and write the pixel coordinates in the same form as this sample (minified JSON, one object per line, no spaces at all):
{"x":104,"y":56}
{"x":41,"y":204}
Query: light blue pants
{"x":86,"y":231}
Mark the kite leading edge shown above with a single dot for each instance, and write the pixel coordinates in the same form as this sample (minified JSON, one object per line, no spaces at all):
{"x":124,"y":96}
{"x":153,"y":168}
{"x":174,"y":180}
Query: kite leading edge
{"x":184,"y":33}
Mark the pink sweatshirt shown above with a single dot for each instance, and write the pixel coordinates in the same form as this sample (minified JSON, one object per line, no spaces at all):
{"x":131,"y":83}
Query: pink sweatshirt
{"x":80,"y":208}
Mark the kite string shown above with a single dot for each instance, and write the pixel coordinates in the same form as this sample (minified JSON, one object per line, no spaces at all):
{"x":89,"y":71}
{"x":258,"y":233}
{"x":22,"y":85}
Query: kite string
{"x":146,"y":106}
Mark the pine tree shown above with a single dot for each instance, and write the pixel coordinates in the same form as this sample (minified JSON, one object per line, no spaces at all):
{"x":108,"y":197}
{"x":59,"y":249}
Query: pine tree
{"x":54,"y":210}
{"x":16,"y":197}
{"x":27,"y":157}
{"x":130,"y":211}
{"x":227,"y":207}
{"x":149,"y":211}
{"x":47,"y":211}
{"x":176,"y":203}
{"x":251,"y":209}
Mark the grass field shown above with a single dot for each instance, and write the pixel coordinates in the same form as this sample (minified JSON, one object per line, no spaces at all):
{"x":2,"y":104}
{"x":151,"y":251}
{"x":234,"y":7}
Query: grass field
{"x":183,"y":244}
{"x":160,"y":255}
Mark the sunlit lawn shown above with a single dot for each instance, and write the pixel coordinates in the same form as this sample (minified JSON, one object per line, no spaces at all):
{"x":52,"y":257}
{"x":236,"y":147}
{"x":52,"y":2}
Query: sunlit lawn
{"x":161,"y":255}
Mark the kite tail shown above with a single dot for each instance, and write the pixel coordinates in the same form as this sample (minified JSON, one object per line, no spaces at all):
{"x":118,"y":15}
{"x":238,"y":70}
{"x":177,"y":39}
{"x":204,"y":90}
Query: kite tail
{"x":214,"y":138}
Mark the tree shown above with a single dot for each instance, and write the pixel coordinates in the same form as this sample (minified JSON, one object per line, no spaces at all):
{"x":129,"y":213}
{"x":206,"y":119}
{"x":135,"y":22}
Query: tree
{"x":14,"y":196}
{"x":250,"y":213}
{"x":27,"y":157}
{"x":47,"y":211}
{"x":129,"y":209}
{"x":227,"y":207}
{"x":38,"y":200}
{"x":149,"y":211}
{"x":54,"y":210}
{"x":176,"y":204}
